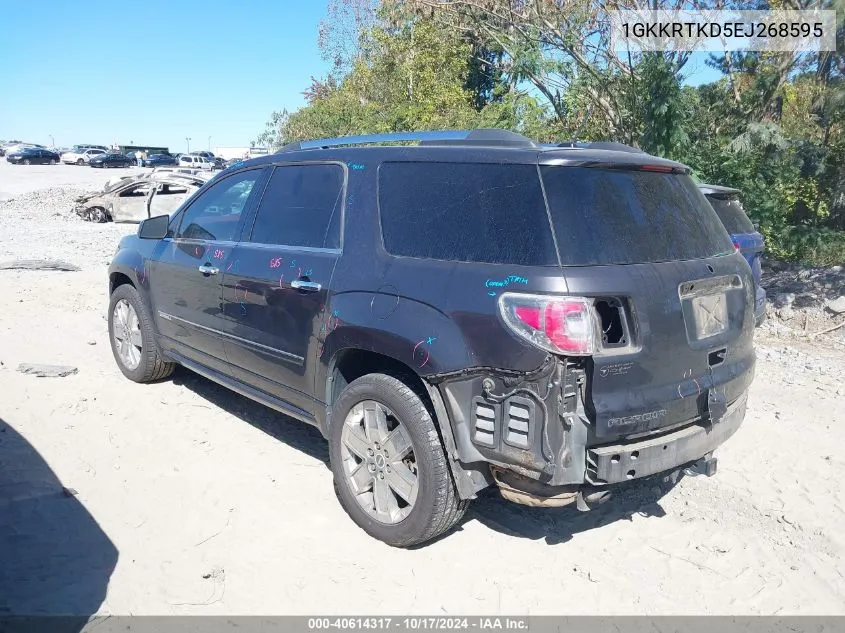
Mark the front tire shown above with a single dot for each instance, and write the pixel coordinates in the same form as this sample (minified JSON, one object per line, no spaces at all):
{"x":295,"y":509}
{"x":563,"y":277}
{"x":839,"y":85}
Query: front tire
{"x":26,"y":161}
{"x":132,"y":338}
{"x":390,"y":471}
{"x":80,"y":162}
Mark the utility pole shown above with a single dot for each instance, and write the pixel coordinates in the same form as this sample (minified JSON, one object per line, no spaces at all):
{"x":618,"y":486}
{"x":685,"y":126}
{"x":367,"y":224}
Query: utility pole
{"x":188,"y":139}
{"x":209,"y":143}
{"x":52,"y":140}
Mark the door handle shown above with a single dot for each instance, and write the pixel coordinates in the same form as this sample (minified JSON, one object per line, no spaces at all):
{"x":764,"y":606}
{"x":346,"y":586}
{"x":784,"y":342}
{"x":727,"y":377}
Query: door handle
{"x":308,"y":286}
{"x":205,"y":269}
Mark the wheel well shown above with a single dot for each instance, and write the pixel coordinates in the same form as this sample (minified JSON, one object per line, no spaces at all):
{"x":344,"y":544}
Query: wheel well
{"x":351,"y":364}
{"x":118,"y":279}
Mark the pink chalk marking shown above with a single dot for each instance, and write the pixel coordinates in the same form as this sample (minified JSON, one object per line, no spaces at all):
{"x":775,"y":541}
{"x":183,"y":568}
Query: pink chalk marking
{"x":427,"y":355}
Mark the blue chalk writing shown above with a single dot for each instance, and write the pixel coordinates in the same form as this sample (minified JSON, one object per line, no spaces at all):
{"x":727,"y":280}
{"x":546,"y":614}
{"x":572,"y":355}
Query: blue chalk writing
{"x":356,"y":166}
{"x":431,"y":340}
{"x":492,"y":294}
{"x":507,"y":281}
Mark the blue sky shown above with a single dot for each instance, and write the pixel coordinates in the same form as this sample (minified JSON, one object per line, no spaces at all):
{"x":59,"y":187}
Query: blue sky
{"x":157,"y":71}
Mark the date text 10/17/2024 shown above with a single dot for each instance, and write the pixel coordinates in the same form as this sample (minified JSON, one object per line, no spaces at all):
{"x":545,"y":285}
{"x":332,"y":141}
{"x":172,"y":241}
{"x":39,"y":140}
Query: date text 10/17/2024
{"x":419,"y":623}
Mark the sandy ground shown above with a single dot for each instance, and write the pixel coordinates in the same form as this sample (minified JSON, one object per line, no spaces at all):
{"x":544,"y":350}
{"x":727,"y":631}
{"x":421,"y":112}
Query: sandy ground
{"x":189,"y":499}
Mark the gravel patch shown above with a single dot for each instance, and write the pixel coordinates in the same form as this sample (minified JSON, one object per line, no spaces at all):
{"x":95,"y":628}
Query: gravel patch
{"x":42,"y":225}
{"x":802,"y":301}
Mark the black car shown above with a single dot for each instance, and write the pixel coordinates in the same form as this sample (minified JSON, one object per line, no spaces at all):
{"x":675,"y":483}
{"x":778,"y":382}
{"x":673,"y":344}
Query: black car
{"x":33,"y":156}
{"x":477,"y":310}
{"x":159,"y":160}
{"x":111,"y":160}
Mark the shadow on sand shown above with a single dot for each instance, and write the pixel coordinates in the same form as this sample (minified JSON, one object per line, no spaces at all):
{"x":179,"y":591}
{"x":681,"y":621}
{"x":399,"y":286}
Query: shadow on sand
{"x":559,"y":525}
{"x":555,"y":525}
{"x":54,"y":558}
{"x":298,"y":435}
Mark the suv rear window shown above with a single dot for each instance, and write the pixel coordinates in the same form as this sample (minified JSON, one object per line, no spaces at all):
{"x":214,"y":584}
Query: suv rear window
{"x":469,"y":212}
{"x":731,"y":213}
{"x":611,"y":216}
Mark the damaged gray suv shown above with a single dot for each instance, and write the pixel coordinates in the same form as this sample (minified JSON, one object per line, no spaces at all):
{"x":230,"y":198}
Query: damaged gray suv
{"x":476,"y":310}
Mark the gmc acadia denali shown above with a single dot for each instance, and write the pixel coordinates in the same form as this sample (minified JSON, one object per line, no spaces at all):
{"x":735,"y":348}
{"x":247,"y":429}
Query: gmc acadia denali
{"x":472,"y":310}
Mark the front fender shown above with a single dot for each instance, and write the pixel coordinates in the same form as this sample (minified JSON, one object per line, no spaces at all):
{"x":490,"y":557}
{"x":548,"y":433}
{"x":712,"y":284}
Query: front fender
{"x":134,"y":265}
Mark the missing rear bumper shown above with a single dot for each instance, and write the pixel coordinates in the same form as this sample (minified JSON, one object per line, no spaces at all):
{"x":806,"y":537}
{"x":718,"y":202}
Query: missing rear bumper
{"x":625,"y":461}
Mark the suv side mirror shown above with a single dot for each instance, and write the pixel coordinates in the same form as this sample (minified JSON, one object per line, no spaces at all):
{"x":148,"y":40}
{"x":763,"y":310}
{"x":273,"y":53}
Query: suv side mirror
{"x":154,"y":228}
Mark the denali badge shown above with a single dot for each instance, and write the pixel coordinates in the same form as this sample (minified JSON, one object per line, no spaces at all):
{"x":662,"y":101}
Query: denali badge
{"x":633,"y":419}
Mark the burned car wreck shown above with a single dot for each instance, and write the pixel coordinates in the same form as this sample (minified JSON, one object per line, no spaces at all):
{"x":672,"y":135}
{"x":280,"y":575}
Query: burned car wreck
{"x":136,"y":198}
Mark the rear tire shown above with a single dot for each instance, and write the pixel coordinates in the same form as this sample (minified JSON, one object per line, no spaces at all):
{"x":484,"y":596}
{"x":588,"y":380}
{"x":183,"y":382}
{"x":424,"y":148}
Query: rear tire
{"x":80,"y":162}
{"x":26,"y":161}
{"x":435,"y":506}
{"x":54,"y":162}
{"x":145,"y":363}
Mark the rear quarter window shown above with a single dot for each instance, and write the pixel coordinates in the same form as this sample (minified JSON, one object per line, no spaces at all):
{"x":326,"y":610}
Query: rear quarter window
{"x":732,"y":214}
{"x":612,"y":216}
{"x":468,"y":212}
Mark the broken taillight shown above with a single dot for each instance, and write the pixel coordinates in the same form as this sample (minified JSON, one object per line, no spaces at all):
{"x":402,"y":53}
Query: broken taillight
{"x":737,"y":246}
{"x":563,"y":325}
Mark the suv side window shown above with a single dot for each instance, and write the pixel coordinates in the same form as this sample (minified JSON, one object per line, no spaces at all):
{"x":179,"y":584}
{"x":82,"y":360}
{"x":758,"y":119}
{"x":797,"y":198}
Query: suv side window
{"x":301,"y":207}
{"x":468,"y":212}
{"x":215,"y":214}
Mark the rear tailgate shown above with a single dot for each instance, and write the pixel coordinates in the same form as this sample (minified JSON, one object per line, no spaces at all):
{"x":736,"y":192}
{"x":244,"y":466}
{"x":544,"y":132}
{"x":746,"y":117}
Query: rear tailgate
{"x":671,"y":368}
{"x":674,"y":297}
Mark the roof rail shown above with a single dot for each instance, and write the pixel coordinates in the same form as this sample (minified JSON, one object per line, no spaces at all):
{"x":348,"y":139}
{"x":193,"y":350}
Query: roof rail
{"x":489,"y":137}
{"x":608,"y":145}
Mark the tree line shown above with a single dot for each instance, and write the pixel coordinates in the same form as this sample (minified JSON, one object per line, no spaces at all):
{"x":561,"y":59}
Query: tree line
{"x":772,"y":125}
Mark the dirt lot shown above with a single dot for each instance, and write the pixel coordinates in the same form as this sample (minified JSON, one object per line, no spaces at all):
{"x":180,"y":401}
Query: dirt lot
{"x":181,"y":497}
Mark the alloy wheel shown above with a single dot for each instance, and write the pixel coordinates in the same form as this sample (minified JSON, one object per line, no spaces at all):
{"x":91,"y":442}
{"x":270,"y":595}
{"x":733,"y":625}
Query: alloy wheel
{"x":127,"y":334}
{"x":379,"y":462}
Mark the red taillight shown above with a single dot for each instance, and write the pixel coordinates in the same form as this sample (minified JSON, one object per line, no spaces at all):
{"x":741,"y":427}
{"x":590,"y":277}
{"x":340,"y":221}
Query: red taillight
{"x":529,"y":315}
{"x":567,"y":326}
{"x":661,"y":168}
{"x":564,"y":325}
{"x":737,"y":246}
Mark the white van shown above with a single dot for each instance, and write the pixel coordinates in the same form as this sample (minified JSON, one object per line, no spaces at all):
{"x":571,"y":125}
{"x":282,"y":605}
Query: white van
{"x":195,"y":161}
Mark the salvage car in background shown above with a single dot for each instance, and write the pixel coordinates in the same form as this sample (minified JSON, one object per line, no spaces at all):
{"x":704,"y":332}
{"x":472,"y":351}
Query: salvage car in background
{"x":14,"y":146}
{"x":32,"y":156}
{"x":135,"y":198}
{"x":195,"y":161}
{"x":157,"y":160}
{"x":81,"y":155}
{"x":111,"y":159}
{"x":745,"y":237}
